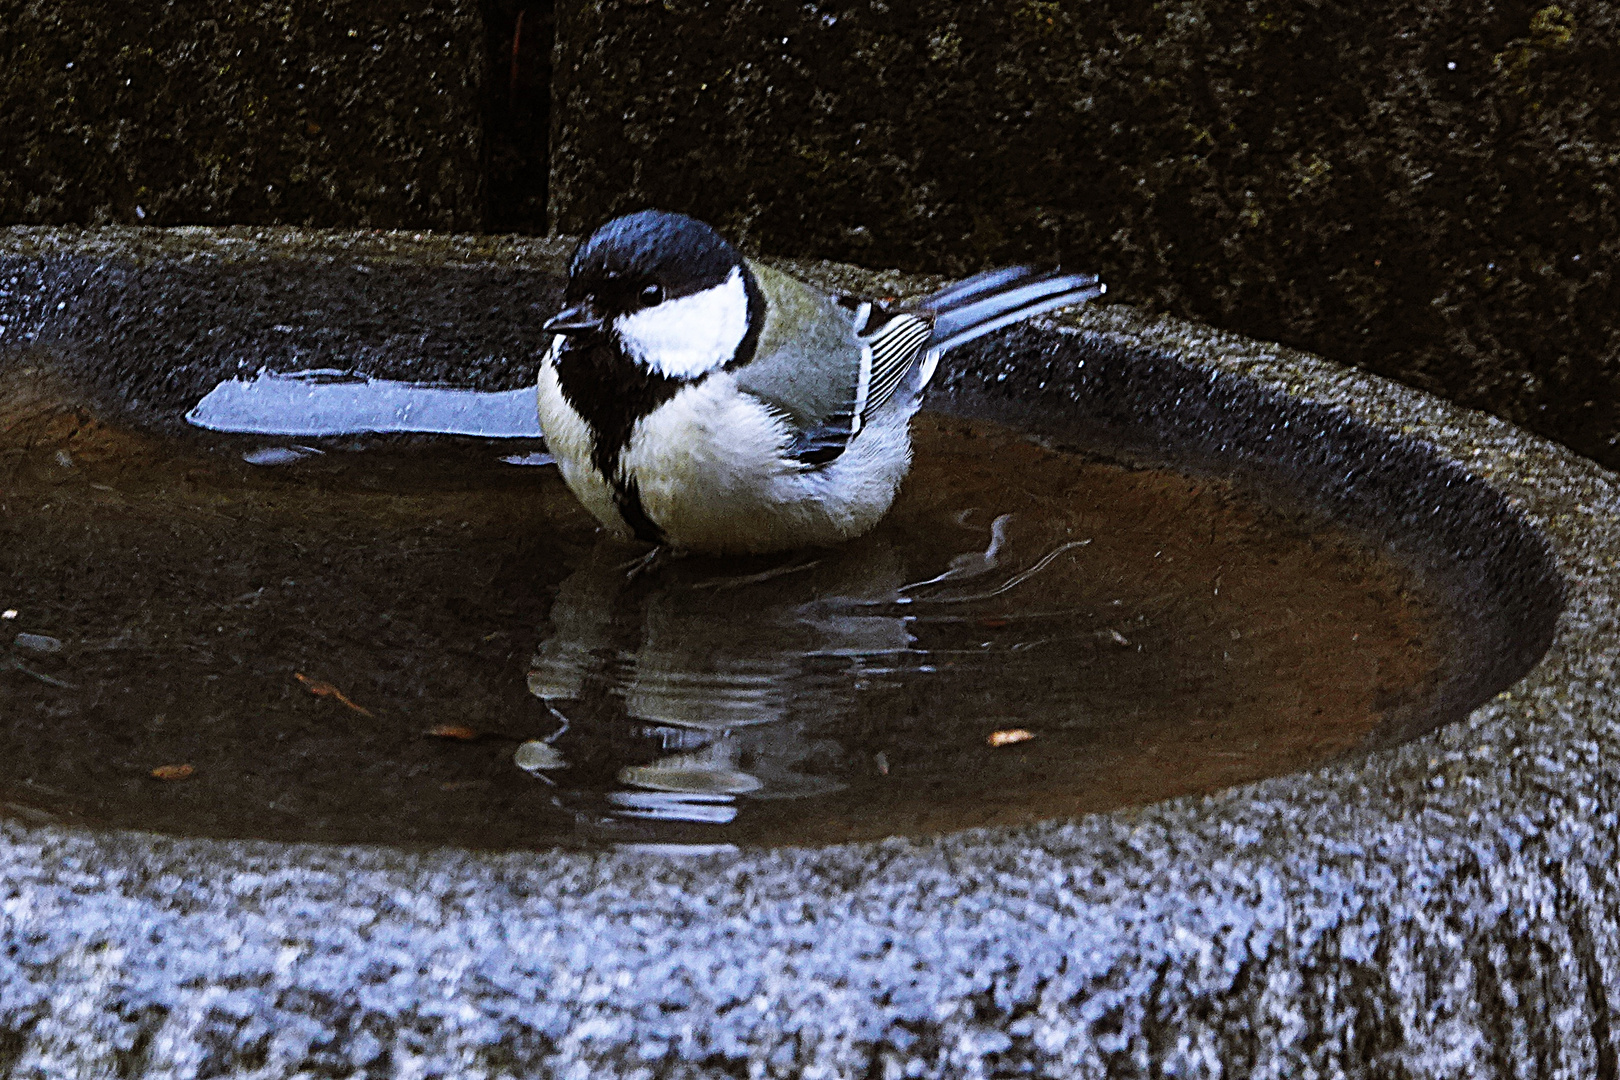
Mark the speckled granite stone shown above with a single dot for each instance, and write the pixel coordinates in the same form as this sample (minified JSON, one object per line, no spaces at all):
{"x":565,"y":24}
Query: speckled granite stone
{"x":1448,"y":907}
{"x":1425,"y":188}
{"x":335,"y":113}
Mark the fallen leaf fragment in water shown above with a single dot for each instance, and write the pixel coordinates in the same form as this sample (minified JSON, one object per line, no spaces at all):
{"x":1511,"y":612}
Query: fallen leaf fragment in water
{"x":453,"y":731}
{"x":172,"y":772}
{"x":1008,"y":736}
{"x":326,"y":689}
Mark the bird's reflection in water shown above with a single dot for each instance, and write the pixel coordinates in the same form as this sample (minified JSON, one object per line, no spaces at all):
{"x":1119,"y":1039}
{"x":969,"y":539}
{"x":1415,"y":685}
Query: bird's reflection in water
{"x":701,"y":684}
{"x":712,"y":677}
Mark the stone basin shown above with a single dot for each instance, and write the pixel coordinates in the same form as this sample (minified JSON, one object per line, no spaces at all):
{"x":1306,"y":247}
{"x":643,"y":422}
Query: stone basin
{"x":1441,"y":902}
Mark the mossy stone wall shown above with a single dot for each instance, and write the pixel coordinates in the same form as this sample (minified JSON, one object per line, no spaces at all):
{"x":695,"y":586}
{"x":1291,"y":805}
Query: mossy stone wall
{"x":343,"y":113}
{"x":1426,"y":188}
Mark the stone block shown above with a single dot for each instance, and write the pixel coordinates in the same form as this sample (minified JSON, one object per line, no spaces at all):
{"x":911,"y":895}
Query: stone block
{"x":340,"y":113}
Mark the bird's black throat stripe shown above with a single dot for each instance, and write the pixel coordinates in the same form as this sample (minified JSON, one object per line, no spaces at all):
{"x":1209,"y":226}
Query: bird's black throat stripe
{"x":756,"y":321}
{"x":611,"y":392}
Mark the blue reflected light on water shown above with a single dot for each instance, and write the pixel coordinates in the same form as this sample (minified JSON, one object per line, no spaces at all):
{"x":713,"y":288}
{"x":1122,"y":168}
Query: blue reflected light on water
{"x":331,"y":402}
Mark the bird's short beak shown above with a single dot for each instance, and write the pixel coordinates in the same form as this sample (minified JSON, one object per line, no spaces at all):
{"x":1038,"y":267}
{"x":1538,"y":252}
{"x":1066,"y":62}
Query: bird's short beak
{"x":575,"y":320}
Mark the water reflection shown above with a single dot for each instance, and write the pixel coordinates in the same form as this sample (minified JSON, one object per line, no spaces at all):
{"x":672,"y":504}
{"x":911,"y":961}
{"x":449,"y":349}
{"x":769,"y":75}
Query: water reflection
{"x":722,"y":677}
{"x":730,"y":683}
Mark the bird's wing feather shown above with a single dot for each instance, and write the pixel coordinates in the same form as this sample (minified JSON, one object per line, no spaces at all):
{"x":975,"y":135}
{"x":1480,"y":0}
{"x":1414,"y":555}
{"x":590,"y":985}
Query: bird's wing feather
{"x":807,"y":360}
{"x":892,"y":350}
{"x":807,"y":366}
{"x":827,"y":369}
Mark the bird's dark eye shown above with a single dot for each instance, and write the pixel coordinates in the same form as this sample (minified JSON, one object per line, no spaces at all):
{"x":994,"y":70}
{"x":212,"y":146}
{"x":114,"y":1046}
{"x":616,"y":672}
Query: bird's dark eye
{"x":652,"y":296}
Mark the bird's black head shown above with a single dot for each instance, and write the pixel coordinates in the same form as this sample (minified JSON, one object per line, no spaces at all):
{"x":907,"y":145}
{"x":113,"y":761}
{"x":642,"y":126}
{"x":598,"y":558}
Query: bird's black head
{"x":639,"y":261}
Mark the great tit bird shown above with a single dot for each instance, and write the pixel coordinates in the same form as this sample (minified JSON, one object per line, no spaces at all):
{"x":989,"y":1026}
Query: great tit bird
{"x":697,"y":399}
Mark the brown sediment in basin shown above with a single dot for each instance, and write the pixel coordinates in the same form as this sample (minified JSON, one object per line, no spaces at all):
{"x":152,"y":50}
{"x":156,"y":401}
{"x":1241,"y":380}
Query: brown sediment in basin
{"x":1179,"y":637}
{"x":1228,"y":642}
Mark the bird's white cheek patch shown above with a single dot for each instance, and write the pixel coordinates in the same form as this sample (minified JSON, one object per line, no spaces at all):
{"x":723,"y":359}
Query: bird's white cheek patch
{"x":683,"y":338}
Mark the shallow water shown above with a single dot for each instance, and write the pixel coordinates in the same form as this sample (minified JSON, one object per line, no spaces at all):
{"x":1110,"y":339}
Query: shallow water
{"x":411,"y":640}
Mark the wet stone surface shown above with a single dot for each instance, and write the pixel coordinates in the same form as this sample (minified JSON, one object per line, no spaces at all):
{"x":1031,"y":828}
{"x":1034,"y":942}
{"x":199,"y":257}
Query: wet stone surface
{"x":411,"y":640}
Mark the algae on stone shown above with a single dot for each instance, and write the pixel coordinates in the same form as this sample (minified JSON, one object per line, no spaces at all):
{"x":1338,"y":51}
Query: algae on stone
{"x":325,"y":114}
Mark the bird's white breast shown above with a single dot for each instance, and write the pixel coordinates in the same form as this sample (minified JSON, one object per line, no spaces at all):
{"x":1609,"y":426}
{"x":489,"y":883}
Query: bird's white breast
{"x":689,"y":335}
{"x":710,"y":470}
{"x":708,"y":456}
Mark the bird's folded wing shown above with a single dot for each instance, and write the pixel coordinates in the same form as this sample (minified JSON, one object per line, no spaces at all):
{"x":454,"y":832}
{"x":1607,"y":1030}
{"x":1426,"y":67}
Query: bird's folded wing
{"x":828,"y":370}
{"x":806,"y":366}
{"x":881,"y":362}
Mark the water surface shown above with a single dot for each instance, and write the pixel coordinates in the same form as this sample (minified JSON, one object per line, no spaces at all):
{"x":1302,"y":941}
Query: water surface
{"x":408,"y":639}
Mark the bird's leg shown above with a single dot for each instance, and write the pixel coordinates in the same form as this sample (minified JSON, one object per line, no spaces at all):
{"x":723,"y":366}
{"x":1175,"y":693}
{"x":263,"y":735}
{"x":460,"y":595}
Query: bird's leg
{"x":649,"y":562}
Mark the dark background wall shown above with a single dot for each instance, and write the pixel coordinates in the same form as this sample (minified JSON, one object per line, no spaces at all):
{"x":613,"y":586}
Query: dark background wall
{"x":349,"y":113}
{"x":1423,"y":187}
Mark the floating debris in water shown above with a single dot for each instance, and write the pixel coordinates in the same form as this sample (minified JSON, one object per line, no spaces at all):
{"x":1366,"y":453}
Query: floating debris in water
{"x":279,"y":455}
{"x":537,"y":756}
{"x":454,"y":731}
{"x":1009,"y":736}
{"x":38,"y":643}
{"x":326,"y":689}
{"x":9,"y":613}
{"x":172,"y":772}
{"x":539,"y":457}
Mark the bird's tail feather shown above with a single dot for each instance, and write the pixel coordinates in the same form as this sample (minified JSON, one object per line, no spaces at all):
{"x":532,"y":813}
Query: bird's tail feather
{"x":985,"y":303}
{"x":953,"y":296}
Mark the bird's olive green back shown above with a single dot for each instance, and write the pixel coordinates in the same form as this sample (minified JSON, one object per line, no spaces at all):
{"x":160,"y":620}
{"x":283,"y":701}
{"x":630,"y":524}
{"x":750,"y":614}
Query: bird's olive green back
{"x":808,"y":359}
